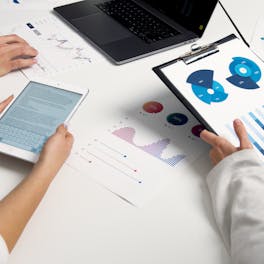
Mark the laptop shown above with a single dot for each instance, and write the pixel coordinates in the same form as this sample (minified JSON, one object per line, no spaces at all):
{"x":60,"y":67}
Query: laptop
{"x":125,"y":30}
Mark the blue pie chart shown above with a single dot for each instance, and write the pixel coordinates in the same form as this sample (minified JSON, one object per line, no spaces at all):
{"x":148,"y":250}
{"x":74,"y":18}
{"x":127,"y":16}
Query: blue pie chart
{"x":206,"y":88}
{"x":245,"y":73}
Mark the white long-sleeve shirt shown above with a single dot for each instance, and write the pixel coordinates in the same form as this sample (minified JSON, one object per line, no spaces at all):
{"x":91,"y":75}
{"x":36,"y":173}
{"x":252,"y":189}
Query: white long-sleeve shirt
{"x":236,"y":186}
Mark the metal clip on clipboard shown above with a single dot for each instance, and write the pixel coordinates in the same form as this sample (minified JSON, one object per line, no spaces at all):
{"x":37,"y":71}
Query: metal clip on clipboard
{"x":199,"y":52}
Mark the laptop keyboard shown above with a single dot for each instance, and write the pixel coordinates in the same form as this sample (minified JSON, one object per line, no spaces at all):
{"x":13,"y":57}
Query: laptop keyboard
{"x":21,"y":138}
{"x":137,"y":20}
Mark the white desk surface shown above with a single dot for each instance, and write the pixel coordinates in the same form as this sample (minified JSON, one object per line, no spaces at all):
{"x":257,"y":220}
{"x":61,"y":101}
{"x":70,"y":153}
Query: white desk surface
{"x":80,"y":222}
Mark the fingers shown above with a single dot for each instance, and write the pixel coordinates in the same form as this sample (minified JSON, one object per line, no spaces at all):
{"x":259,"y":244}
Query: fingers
{"x":242,"y":134}
{"x":5,"y":103}
{"x":16,"y":56}
{"x":8,"y":39}
{"x":209,"y":137}
{"x":216,"y":155}
{"x":62,"y":130}
{"x":220,"y":146}
{"x":18,"y":50}
{"x":21,"y":64}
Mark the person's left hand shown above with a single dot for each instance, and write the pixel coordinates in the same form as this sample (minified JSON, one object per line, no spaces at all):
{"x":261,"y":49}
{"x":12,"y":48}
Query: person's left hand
{"x":15,"y":53}
{"x":221,"y":147}
{"x":5,"y":103}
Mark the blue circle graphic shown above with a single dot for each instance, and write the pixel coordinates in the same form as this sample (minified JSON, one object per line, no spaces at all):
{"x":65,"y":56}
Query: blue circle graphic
{"x":245,"y":73}
{"x":205,"y":88}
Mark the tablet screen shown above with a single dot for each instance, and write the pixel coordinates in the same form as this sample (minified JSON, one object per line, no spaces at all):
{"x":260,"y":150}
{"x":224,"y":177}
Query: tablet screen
{"x":35,"y":115}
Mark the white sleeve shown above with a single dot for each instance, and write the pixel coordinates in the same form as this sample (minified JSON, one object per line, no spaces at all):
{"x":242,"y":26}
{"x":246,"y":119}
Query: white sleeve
{"x":236,"y":186}
{"x":4,"y":254}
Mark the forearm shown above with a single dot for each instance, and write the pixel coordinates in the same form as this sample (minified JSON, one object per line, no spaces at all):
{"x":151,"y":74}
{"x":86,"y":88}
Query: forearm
{"x":237,"y":187}
{"x":19,"y":205}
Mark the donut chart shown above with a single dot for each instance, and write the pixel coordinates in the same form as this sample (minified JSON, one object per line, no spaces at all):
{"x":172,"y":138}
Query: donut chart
{"x":206,"y":88}
{"x":245,"y":73}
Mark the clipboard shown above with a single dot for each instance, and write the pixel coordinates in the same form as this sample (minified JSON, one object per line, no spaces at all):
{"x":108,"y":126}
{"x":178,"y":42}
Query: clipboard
{"x":218,"y":83}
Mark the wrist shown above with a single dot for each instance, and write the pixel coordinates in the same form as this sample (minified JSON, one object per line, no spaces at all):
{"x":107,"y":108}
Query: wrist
{"x":44,"y":170}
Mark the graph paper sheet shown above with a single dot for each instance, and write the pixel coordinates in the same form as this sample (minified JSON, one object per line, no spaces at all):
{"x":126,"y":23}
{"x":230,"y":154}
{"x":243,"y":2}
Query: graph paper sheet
{"x":60,"y":49}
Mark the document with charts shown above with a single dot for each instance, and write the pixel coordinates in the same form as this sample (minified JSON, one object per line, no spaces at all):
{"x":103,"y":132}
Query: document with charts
{"x":135,"y":155}
{"x":221,"y":87}
{"x":60,"y":48}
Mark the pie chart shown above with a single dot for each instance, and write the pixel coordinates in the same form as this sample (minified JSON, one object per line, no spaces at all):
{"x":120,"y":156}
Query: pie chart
{"x":206,"y":88}
{"x":245,"y":73}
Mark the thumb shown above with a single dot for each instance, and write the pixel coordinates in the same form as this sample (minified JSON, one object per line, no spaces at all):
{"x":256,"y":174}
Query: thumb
{"x":5,"y":103}
{"x":242,"y":135}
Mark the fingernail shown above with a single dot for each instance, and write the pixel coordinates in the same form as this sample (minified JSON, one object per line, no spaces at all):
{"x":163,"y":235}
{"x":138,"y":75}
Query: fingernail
{"x":237,"y":121}
{"x":66,"y":126}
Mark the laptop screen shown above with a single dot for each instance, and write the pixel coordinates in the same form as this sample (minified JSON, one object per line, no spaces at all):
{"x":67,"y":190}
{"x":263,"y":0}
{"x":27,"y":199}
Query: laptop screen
{"x":191,"y":14}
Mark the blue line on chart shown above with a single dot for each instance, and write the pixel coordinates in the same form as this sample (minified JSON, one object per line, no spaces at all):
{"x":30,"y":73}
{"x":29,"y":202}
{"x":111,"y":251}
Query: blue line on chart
{"x":261,"y":137}
{"x":260,"y":113}
{"x":254,"y":142}
{"x":256,"y":120}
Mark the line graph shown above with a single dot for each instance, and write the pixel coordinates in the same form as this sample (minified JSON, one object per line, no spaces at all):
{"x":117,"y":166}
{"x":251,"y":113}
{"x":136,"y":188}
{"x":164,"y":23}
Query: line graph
{"x":60,"y":49}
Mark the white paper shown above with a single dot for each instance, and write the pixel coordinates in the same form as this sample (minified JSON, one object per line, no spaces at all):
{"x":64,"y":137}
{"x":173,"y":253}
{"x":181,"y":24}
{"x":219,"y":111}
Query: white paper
{"x":135,"y":155}
{"x":257,"y":43}
{"x":60,"y":49}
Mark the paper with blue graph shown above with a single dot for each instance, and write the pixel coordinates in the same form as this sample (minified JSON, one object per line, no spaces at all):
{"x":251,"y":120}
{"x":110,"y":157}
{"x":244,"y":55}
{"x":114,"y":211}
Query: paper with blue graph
{"x":224,"y":86}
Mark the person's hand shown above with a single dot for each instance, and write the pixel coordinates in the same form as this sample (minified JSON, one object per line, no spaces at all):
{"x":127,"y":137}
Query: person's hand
{"x":5,"y":103}
{"x":221,"y":147}
{"x":56,"y":150}
{"x":15,"y":53}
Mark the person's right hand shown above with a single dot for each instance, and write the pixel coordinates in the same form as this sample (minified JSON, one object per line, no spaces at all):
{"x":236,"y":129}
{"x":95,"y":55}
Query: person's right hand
{"x":15,"y":53}
{"x":221,"y":147}
{"x":56,"y":150}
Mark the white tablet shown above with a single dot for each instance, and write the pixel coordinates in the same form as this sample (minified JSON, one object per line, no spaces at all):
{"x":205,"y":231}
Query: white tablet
{"x":34,"y":114}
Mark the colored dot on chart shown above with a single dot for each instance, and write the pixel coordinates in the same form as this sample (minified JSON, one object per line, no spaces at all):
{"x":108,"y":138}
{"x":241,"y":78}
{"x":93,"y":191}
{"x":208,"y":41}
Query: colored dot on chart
{"x":196,"y":130}
{"x":177,"y":119}
{"x":153,"y":107}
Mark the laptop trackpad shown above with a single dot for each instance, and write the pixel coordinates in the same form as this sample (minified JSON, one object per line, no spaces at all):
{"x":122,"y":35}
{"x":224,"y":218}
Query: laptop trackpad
{"x":100,"y":28}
